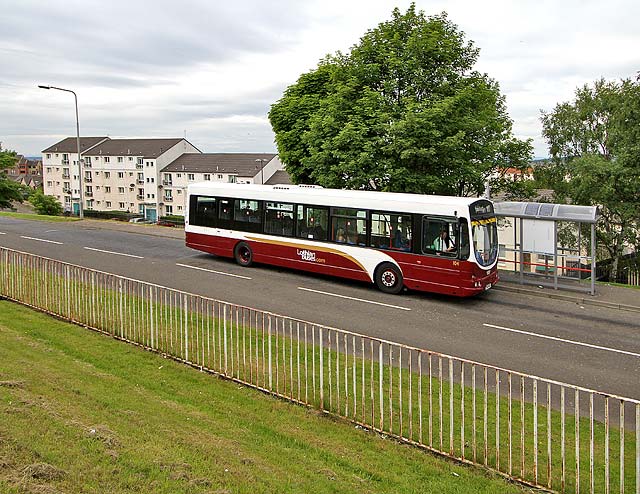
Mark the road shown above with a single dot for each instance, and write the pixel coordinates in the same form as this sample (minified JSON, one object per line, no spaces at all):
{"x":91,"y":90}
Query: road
{"x":590,"y":346}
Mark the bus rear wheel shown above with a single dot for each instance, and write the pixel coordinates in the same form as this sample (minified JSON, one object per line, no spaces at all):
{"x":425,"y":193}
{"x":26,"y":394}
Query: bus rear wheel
{"x":388,"y":278}
{"x":243,"y":254}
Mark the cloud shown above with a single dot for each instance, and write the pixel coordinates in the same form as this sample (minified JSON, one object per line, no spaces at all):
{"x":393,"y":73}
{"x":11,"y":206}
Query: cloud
{"x":124,"y":44}
{"x":215,"y":68}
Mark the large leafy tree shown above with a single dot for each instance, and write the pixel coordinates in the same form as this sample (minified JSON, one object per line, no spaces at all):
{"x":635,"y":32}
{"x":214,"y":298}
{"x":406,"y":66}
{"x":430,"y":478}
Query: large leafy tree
{"x":403,"y":111}
{"x":594,"y":143}
{"x":9,"y":190}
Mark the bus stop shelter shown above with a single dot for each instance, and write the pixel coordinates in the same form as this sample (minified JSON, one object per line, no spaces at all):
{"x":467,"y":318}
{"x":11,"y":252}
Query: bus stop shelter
{"x":551,"y":245}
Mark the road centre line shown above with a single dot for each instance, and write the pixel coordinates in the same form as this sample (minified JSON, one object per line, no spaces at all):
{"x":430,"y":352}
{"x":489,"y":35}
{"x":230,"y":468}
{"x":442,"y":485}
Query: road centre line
{"x":571,"y":342}
{"x":114,"y":253}
{"x":222,"y":273}
{"x":353,"y":298}
{"x":2,"y":233}
{"x":41,"y":240}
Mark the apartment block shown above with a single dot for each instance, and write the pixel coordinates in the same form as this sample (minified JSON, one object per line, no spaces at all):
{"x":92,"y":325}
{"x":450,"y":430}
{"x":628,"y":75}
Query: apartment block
{"x":117,"y":174}
{"x":145,"y":176}
{"x":124,"y":174}
{"x":60,"y":172}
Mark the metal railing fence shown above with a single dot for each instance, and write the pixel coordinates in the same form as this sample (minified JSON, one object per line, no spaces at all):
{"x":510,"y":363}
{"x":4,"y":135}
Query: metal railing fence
{"x":538,"y":431}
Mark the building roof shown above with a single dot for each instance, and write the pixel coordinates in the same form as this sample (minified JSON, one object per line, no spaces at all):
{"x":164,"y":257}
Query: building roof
{"x":281,"y":177}
{"x":69,"y":145}
{"x":241,"y":164}
{"x":35,"y":180}
{"x":147,"y":148}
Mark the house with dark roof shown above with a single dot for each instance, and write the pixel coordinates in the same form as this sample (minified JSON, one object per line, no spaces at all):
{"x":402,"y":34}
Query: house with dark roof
{"x":25,"y":166}
{"x":281,"y":177}
{"x":31,"y":181}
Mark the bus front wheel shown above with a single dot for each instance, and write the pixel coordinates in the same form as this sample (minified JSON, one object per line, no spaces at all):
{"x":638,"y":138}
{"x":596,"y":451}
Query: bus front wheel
{"x":243,"y":254}
{"x":388,"y":278}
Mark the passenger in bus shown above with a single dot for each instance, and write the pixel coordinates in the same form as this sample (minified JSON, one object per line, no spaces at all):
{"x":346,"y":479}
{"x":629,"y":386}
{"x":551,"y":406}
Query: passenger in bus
{"x":340,"y":237}
{"x":400,"y":241}
{"x":397,"y":239}
{"x":444,"y":243}
{"x":287,"y":225}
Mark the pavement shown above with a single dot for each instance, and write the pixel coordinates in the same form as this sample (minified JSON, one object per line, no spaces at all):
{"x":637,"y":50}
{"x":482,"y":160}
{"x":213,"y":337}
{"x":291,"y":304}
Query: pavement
{"x":610,"y":296}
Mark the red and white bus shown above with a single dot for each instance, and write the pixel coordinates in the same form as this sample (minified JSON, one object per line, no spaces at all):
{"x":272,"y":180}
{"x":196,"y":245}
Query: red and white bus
{"x":436,"y":244}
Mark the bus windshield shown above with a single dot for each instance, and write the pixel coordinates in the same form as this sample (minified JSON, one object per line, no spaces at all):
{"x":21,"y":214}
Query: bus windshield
{"x":484,"y":234}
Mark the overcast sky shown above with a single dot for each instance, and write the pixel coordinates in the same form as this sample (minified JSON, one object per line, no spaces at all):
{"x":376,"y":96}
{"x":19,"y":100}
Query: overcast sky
{"x":212,"y":69}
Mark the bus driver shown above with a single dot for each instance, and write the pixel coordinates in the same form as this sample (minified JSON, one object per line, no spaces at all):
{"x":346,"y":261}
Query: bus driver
{"x":444,"y":243}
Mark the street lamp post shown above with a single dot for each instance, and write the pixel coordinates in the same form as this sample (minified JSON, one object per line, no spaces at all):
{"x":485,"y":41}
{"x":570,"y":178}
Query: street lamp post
{"x":262,"y":161}
{"x":80,"y":209}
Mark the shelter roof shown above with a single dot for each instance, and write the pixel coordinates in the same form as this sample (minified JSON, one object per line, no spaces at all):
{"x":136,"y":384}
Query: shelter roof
{"x":547,"y":211}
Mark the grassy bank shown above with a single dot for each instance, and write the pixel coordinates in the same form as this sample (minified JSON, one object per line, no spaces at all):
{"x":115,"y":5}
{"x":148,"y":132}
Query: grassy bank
{"x":420,"y":408}
{"x":83,"y":413}
{"x":37,"y":217}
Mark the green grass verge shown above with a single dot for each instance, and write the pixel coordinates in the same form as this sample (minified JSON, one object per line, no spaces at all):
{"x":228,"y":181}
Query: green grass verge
{"x":99,"y":304}
{"x":38,"y":217}
{"x":84,"y":413}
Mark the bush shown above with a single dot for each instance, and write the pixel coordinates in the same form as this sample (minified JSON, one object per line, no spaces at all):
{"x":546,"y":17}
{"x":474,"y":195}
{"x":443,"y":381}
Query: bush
{"x":171,"y":220}
{"x":48,"y":205}
{"x":111,"y":215}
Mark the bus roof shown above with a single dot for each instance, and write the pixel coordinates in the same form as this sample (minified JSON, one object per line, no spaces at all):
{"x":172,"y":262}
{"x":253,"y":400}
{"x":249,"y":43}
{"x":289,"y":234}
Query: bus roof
{"x":314,"y":195}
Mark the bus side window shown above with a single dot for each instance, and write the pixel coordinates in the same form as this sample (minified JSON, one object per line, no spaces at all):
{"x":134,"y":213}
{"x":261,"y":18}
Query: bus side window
{"x":279,"y":218}
{"x":225,"y":212}
{"x":313,"y":222}
{"x":247,"y":215}
{"x":440,"y":236}
{"x":349,"y":226}
{"x":202,"y":211}
{"x":390,"y":231}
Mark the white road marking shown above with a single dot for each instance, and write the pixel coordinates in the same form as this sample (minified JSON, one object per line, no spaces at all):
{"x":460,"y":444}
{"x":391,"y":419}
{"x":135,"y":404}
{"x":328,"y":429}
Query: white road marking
{"x":571,"y":342}
{"x":41,"y":240}
{"x":114,"y":253}
{"x":353,"y":298}
{"x":214,"y":272}
{"x":2,"y":233}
